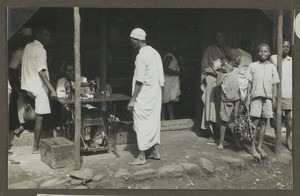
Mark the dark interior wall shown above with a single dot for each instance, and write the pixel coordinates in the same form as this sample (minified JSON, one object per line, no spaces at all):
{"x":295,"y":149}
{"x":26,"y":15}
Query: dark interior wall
{"x":90,"y":42}
{"x":236,"y":24}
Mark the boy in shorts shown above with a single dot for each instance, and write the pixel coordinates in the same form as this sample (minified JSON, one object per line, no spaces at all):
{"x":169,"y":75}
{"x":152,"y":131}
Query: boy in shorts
{"x":262,"y":76}
{"x":230,"y":98}
{"x":287,"y":88}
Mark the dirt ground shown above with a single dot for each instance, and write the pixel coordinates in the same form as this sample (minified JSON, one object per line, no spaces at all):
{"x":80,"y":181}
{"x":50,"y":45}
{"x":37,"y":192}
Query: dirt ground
{"x":177,"y":147}
{"x":262,"y":175}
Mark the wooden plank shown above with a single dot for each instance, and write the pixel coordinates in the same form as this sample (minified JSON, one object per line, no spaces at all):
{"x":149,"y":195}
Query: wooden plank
{"x":103,"y":53}
{"x":278,"y":144}
{"x":103,"y":49}
{"x":77,"y":87}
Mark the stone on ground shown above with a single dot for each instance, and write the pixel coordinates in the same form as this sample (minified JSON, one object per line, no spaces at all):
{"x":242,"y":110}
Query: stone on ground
{"x":83,"y":174}
{"x":235,"y":162}
{"x":97,"y":178}
{"x":75,"y":182}
{"x":171,"y":171}
{"x":93,"y":185}
{"x":246,"y":157}
{"x":107,"y":184}
{"x":122,"y":174}
{"x":190,"y":168}
{"x":102,"y":184}
{"x":207,"y":165}
{"x":56,"y":183}
{"x":145,"y":174}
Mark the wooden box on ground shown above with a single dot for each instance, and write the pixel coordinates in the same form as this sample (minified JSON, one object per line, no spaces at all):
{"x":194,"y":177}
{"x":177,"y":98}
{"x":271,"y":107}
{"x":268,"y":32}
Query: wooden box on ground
{"x":57,"y":152}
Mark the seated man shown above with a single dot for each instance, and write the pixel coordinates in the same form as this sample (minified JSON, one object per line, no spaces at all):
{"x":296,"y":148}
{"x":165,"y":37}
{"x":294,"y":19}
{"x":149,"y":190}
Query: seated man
{"x":65,"y":87}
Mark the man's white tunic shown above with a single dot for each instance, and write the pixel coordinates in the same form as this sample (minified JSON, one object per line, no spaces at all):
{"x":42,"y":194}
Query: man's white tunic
{"x":147,"y":107}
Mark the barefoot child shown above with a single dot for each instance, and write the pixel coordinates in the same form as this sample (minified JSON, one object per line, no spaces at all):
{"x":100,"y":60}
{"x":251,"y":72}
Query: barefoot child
{"x":230,"y":98}
{"x":287,"y":88}
{"x":262,"y":76}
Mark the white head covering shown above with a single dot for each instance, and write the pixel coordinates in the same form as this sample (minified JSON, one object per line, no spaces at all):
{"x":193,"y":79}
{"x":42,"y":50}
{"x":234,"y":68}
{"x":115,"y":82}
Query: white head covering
{"x":138,"y":33}
{"x":26,"y":31}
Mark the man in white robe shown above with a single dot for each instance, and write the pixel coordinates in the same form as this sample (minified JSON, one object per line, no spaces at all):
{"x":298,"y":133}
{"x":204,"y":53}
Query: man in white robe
{"x":146,"y":100}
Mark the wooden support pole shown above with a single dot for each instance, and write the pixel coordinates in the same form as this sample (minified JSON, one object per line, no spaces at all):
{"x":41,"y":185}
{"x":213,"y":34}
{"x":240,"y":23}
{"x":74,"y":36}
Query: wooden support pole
{"x":278,"y":145}
{"x":103,"y":49}
{"x":77,"y":87}
{"x":103,"y":53}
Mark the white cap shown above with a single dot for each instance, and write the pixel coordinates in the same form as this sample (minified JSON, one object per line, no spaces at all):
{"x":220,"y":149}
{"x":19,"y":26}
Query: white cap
{"x":138,"y":33}
{"x":26,"y":31}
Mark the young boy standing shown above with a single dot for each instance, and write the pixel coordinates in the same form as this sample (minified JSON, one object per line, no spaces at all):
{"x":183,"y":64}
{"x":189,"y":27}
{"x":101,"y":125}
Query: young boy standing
{"x":262,"y":76}
{"x":287,"y":88}
{"x":230,"y":97}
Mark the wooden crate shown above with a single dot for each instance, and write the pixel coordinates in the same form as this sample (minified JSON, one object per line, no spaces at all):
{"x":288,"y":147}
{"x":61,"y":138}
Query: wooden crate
{"x":57,"y":152}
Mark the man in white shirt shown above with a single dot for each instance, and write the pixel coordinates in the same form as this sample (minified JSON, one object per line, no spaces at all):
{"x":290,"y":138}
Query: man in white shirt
{"x":35,"y":79}
{"x":287,"y":88}
{"x":146,"y":100}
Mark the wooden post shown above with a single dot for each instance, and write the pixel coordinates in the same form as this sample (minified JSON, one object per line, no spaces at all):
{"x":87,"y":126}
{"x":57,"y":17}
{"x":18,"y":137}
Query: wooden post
{"x":103,"y":53}
{"x":77,"y":87}
{"x":278,"y":144}
{"x":103,"y":49}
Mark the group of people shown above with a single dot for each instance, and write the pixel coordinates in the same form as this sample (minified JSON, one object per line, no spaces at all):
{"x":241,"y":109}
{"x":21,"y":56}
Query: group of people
{"x":230,"y":78}
{"x":30,"y":79}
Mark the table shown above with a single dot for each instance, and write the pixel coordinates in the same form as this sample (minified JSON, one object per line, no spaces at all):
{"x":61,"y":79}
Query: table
{"x":102,"y":99}
{"x":96,"y":99}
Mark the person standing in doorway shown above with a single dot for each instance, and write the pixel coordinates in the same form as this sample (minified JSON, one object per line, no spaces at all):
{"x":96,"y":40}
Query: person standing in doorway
{"x":146,"y":100}
{"x":262,"y":76}
{"x":15,"y":66}
{"x":35,"y":79}
{"x":171,"y":90}
{"x":211,"y":62}
{"x":287,"y":88}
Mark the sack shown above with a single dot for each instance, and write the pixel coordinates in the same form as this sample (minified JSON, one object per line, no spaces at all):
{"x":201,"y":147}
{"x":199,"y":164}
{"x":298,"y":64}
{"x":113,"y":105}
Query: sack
{"x":29,"y":113}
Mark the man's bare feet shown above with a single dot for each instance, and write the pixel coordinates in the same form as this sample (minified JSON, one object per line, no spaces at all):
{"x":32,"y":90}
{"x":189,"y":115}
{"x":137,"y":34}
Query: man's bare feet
{"x":255,"y":153}
{"x":220,"y":147}
{"x":154,"y":154}
{"x":138,"y":161}
{"x":262,"y":152}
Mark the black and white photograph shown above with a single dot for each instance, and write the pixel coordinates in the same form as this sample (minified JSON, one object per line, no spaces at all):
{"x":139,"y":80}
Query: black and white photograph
{"x":150,"y":98}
